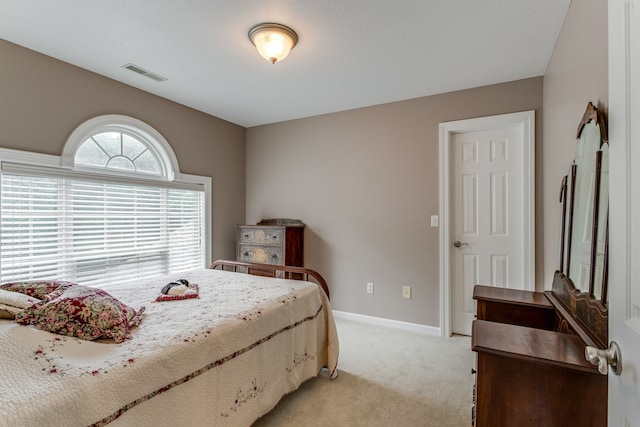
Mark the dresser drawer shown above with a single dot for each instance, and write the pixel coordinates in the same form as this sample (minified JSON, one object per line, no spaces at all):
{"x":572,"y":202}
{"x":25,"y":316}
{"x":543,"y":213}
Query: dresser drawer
{"x":261,"y":236}
{"x":271,"y":242}
{"x":261,"y":254}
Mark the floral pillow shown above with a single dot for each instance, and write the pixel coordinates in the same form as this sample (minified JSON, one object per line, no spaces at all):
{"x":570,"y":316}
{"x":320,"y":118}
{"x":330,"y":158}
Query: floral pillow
{"x":36,"y":288}
{"x":83,"y":312}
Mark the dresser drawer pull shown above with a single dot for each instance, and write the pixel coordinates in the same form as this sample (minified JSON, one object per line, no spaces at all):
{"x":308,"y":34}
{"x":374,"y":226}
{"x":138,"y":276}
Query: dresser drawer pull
{"x":246,"y":253}
{"x":473,"y":371}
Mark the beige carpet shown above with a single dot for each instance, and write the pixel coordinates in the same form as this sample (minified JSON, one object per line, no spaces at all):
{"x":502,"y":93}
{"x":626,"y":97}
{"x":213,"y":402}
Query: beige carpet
{"x":387,"y":377}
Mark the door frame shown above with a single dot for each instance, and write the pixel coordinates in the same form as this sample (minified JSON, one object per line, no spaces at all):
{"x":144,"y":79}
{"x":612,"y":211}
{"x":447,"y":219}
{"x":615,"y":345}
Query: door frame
{"x":526,"y":122}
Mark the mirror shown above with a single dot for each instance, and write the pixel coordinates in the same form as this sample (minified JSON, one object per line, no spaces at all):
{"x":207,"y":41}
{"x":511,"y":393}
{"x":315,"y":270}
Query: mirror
{"x":585,"y":206}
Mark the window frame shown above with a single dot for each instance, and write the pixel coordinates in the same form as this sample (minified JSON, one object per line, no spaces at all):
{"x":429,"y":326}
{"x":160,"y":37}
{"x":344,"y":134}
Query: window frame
{"x":151,"y":137}
{"x":156,"y":143}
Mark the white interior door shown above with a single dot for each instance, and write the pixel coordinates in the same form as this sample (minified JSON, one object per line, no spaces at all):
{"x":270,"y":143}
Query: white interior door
{"x":624,"y":210}
{"x":490,"y":213}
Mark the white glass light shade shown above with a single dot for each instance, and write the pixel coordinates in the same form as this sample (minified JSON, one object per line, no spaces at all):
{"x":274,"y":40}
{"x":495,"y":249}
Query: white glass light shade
{"x":273,"y":41}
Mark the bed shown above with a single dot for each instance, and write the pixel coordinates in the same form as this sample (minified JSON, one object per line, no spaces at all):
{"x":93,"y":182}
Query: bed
{"x":225,"y":358}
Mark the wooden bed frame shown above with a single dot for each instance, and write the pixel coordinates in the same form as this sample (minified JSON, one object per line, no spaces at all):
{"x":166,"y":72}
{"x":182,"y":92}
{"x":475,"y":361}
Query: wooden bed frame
{"x":270,"y":270}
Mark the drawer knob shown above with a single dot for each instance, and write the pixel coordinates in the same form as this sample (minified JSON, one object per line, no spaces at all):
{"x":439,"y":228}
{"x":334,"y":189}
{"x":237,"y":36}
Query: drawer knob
{"x":246,"y":253}
{"x":473,"y":371}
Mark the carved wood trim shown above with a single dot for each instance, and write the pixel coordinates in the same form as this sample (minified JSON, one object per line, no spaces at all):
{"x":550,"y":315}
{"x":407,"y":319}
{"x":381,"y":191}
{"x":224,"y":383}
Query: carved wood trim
{"x":589,"y":314}
{"x":605,"y":267}
{"x":570,"y":225}
{"x":563,"y":231}
{"x":593,"y":113}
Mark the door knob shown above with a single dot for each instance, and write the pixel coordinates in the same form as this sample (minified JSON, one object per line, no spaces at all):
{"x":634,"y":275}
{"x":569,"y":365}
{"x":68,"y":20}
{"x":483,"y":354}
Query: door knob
{"x":603,"y":358}
{"x":459,"y":244}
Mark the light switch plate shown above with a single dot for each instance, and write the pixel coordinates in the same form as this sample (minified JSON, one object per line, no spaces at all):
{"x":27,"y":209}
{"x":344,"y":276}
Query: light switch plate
{"x":406,"y":292}
{"x":434,"y":220}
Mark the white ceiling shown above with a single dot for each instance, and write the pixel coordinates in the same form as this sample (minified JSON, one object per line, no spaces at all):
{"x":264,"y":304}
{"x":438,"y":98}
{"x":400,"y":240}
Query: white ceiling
{"x":350,"y":54}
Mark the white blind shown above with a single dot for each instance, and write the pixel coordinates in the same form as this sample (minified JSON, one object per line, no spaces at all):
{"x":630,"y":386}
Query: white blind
{"x":96,"y":233}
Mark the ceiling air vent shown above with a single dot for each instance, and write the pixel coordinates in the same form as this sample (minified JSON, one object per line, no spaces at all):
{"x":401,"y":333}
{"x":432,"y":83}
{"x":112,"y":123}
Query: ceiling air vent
{"x":142,"y":71}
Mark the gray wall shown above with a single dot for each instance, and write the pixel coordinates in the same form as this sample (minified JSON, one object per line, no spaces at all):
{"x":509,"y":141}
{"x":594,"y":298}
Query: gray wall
{"x":577,"y":74}
{"x":43,"y":100}
{"x":365,"y":182}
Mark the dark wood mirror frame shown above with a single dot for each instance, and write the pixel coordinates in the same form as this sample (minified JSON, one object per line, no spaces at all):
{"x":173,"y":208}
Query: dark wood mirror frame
{"x":590,"y":314}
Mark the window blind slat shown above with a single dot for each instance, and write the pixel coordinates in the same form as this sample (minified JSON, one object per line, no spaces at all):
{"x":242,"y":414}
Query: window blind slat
{"x":96,"y":233}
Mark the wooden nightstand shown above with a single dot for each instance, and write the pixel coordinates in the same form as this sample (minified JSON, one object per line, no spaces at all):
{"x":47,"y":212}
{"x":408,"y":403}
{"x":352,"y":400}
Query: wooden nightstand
{"x":271,"y":241}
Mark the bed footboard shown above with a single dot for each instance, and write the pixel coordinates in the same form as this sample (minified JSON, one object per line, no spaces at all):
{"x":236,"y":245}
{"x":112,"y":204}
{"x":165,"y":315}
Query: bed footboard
{"x":288,"y":272}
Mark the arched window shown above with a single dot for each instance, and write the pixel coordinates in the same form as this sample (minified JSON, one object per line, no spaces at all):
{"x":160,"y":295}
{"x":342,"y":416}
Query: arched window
{"x":117,"y":150}
{"x":118,"y":210}
{"x":120,"y":145}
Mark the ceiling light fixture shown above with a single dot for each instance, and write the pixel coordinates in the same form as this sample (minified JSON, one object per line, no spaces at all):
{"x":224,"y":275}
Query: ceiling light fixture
{"x":273,"y":41}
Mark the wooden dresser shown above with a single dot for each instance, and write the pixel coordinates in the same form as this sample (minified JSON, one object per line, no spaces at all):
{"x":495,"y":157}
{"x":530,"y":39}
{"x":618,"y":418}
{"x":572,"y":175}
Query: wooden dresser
{"x":528,"y":373}
{"x":543,"y":358}
{"x":271,"y":241}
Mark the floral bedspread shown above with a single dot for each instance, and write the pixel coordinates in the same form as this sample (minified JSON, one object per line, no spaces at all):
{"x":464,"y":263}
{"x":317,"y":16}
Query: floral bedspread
{"x":225,"y":358}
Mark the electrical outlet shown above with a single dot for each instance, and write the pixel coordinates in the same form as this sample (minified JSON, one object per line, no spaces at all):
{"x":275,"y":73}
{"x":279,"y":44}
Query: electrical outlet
{"x":369,"y":288}
{"x":406,"y":292}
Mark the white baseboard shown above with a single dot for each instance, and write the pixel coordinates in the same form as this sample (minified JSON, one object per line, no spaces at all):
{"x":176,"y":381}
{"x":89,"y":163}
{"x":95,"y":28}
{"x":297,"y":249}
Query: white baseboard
{"x":398,"y":324}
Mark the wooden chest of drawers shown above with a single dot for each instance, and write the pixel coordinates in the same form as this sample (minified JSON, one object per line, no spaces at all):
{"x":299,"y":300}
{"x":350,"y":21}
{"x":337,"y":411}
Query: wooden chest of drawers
{"x":528,"y":373}
{"x":276,"y":241}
